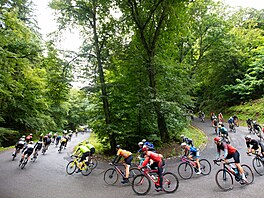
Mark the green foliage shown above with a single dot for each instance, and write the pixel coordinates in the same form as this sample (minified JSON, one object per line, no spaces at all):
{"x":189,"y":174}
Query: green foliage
{"x":8,"y":137}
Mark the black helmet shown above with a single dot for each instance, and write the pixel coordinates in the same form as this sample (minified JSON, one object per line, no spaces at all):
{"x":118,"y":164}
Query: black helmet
{"x":118,"y":146}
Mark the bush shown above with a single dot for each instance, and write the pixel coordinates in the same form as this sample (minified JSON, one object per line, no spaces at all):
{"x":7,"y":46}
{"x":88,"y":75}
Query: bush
{"x":8,"y":137}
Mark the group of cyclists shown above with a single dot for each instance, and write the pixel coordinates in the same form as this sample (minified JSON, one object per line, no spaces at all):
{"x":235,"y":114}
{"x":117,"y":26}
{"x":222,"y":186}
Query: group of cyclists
{"x":30,"y":148}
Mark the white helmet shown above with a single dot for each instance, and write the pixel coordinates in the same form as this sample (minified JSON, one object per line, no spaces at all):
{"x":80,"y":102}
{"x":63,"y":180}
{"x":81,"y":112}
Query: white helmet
{"x":183,"y":144}
{"x":140,"y":143}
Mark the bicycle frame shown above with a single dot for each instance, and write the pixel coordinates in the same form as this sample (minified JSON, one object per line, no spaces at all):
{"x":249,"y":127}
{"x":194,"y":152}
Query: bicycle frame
{"x":230,"y":170}
{"x":192,"y":162}
{"x":148,"y":171}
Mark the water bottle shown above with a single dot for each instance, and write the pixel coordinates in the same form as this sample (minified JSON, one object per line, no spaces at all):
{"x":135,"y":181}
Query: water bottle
{"x":234,"y":168}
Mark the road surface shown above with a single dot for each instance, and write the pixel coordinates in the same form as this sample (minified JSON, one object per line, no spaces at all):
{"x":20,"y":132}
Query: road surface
{"x":46,"y":178}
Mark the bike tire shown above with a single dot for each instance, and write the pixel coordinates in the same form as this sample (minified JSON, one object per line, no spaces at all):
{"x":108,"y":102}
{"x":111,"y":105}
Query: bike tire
{"x":185,"y":170}
{"x":205,"y":166}
{"x":258,"y":166}
{"x":71,"y":167}
{"x":141,"y":184}
{"x":170,"y":182}
{"x":87,"y":171}
{"x":224,"y":180}
{"x":93,"y":163}
{"x":110,"y":176}
{"x":133,"y":172}
{"x":24,"y":163}
{"x":14,"y":155}
{"x":248,"y":173}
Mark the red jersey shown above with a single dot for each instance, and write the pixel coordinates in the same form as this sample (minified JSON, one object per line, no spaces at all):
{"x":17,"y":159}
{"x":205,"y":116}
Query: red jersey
{"x":154,"y":156}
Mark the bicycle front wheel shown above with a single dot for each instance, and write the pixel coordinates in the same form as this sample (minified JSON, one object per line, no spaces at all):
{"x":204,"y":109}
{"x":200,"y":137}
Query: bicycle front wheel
{"x":71,"y":167}
{"x":258,"y":166}
{"x":141,"y":184}
{"x":205,"y":167}
{"x":86,"y":170}
{"x":133,"y":172}
{"x":224,"y":180}
{"x":111,"y":176}
{"x":170,"y":182}
{"x":248,"y":173}
{"x":185,"y":170}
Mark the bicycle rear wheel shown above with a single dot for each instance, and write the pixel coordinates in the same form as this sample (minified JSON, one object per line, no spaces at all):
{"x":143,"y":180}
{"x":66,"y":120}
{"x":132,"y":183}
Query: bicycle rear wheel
{"x":93,"y":163}
{"x":248,"y":173}
{"x":141,"y":184}
{"x":224,"y":180}
{"x":110,"y":176}
{"x":71,"y":167}
{"x":170,"y":182}
{"x":133,"y":172}
{"x":185,"y":170}
{"x":258,"y":165}
{"x":24,"y":162}
{"x":86,"y":171}
{"x":205,"y":167}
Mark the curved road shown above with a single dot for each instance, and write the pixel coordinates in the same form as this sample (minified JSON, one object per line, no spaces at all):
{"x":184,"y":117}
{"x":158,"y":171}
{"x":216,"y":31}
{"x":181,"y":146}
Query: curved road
{"x":47,"y":177}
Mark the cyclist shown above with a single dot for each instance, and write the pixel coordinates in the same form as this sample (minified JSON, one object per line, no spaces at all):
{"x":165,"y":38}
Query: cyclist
{"x":231,"y":123}
{"x":91,"y":149}
{"x":236,"y":121}
{"x":127,"y":158}
{"x":58,"y":138}
{"x":149,"y":145}
{"x":28,"y":151}
{"x":55,"y":135}
{"x":82,"y":152}
{"x":215,"y":124}
{"x":141,"y":156}
{"x":253,"y":146}
{"x":256,"y":127}
{"x":220,"y":117}
{"x":224,"y":133}
{"x":19,"y":145}
{"x":193,"y":154}
{"x":188,"y":141}
{"x":38,"y":146}
{"x":157,"y":162}
{"x":29,"y":138}
{"x":249,"y":124}
{"x":46,"y":141}
{"x":63,"y":142}
{"x":229,"y":152}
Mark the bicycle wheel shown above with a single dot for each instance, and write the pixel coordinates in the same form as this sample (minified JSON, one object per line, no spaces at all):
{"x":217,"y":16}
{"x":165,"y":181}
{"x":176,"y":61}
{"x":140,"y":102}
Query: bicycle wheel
{"x":93,"y":163}
{"x":14,"y":156}
{"x":205,"y":167}
{"x":24,"y":162}
{"x":141,"y":184}
{"x":86,"y":170}
{"x":185,"y":170}
{"x":170,"y":182}
{"x":71,"y":167}
{"x":111,"y":176}
{"x":258,"y":165}
{"x":248,"y":173}
{"x":133,"y":172}
{"x":224,"y":180}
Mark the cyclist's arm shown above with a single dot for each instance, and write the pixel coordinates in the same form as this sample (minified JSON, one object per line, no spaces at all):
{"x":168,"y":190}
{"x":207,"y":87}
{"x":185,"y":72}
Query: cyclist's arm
{"x":116,"y":159}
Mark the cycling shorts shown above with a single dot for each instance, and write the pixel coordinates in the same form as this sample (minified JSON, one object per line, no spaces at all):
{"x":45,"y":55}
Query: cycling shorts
{"x":19,"y":146}
{"x":235,"y":156}
{"x":129,"y":159}
{"x":28,"y":151}
{"x":86,"y":154}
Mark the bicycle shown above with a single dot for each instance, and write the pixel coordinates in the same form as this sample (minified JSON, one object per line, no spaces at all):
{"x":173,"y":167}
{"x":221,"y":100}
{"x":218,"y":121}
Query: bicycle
{"x":186,"y":168}
{"x":111,"y":175}
{"x":92,"y":162}
{"x":35,"y":156}
{"x":23,"y":163}
{"x":232,"y":127}
{"x":72,"y":165}
{"x":258,"y":163}
{"x":225,"y":138}
{"x":224,"y":179}
{"x":141,"y":184}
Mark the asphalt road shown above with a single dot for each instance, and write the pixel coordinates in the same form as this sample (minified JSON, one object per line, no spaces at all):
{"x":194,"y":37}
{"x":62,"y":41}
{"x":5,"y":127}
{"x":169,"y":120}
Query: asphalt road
{"x":47,"y":177}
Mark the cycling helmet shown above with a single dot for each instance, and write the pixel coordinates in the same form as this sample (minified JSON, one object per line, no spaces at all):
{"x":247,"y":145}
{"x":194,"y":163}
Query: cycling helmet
{"x":217,"y":139}
{"x":23,"y":136}
{"x":182,"y":136}
{"x":144,"y":148}
{"x":118,"y":146}
{"x":31,"y":142}
{"x":30,"y":134}
{"x":248,"y":137}
{"x":144,"y":140}
{"x":254,"y":122}
{"x":183,"y":144}
{"x":140,"y":143}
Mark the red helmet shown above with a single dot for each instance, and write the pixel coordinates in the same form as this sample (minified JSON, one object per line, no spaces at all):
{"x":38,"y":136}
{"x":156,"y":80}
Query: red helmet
{"x":144,"y":148}
{"x":217,"y":139}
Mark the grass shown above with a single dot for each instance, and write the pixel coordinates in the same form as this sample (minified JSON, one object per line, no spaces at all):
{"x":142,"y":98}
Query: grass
{"x":252,"y":109}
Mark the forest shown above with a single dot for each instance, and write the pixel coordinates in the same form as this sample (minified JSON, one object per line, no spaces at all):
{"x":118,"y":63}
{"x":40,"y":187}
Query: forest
{"x":146,"y":64}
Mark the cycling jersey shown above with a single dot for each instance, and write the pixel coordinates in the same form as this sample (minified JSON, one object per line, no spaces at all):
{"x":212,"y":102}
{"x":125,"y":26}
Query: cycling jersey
{"x":29,"y":149}
{"x":227,"y":148}
{"x":123,"y":153}
{"x":20,"y":144}
{"x":152,"y":156}
{"x":38,"y":145}
{"x":254,"y":143}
